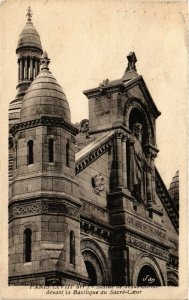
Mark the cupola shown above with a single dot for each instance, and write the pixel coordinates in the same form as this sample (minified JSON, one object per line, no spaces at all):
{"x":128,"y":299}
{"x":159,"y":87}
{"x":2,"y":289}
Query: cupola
{"x":44,"y":97}
{"x":174,"y":189}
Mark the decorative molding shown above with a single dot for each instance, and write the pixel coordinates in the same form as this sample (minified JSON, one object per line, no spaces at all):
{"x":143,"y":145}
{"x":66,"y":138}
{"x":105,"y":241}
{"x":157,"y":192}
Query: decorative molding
{"x":146,"y":246}
{"x":145,"y":227}
{"x":97,"y":152}
{"x":90,"y":257}
{"x":173,"y":262}
{"x":53,"y":281}
{"x":90,"y":246}
{"x":18,"y":210}
{"x":44,"y":121}
{"x":92,"y":156}
{"x":97,"y":231}
{"x":146,"y":259}
{"x":92,"y":93}
{"x":167,"y":201}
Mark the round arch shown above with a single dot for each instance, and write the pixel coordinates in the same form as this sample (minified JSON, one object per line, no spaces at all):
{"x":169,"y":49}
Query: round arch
{"x":142,"y":115}
{"x":95,"y":262}
{"x":151,"y":265}
{"x":172,"y":278}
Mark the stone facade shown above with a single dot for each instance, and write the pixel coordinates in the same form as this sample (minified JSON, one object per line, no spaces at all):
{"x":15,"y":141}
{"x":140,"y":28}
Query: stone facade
{"x":87,"y":205}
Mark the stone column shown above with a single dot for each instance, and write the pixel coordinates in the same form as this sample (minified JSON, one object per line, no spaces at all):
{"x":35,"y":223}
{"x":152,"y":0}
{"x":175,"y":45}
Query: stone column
{"x":36,"y":67}
{"x":124,"y":158}
{"x":130,"y":170}
{"x":21,"y":69}
{"x":125,"y":263}
{"x":25,"y":68}
{"x":149,"y":184}
{"x":153,"y":155}
{"x":31,"y":68}
{"x":118,"y":136}
{"x":18,"y":69}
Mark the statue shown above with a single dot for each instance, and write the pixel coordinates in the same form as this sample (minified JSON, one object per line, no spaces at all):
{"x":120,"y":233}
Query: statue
{"x":138,"y":164}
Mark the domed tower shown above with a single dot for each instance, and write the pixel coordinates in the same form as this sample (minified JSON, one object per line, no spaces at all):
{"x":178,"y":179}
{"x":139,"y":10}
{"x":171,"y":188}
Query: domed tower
{"x":29,"y":52}
{"x":174,"y":189}
{"x":44,"y":205}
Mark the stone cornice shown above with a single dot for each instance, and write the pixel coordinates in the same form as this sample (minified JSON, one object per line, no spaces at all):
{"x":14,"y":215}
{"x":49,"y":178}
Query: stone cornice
{"x":44,"y":121}
{"x":145,"y":245}
{"x":148,"y":97}
{"x":45,"y":196}
{"x":114,"y":126}
{"x":167,"y":201}
{"x":98,"y":231}
{"x":103,"y":89}
{"x":111,"y":86}
{"x":43,"y":207}
{"x":56,"y":273}
{"x":122,"y":86}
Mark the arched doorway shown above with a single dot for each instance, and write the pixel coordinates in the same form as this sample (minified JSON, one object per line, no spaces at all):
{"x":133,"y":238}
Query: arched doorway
{"x":172,"y":283}
{"x":93,"y":267}
{"x":91,"y":272}
{"x":148,"y":277}
{"x":146,"y":265}
{"x":172,"y":278}
{"x":96,"y":263}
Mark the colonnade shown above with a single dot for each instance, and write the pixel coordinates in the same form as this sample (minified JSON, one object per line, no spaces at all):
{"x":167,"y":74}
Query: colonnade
{"x":28,"y":68}
{"x":121,"y":159}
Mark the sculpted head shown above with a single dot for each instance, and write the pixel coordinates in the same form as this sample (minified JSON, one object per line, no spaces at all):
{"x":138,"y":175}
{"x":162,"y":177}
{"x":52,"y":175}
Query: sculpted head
{"x":137,"y":129}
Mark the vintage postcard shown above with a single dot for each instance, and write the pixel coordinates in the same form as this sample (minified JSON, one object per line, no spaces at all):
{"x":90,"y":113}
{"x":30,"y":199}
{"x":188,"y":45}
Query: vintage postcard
{"x":93,"y":149}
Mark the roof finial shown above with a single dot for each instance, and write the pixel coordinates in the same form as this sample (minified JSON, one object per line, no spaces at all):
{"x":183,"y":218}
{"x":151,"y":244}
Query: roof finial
{"x":131,"y":71}
{"x":45,"y":61}
{"x":131,"y":62}
{"x":29,"y":14}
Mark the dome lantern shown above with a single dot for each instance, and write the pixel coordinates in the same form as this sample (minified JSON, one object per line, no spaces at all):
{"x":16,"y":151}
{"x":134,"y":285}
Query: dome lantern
{"x":29,"y":51}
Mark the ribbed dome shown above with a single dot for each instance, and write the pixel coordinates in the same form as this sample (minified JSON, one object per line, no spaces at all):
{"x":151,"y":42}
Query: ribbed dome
{"x":29,"y":36}
{"x":174,"y":189}
{"x":44,"y":97}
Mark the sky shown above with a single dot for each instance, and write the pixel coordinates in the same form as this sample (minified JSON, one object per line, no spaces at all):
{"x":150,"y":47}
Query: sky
{"x":88,"y":41}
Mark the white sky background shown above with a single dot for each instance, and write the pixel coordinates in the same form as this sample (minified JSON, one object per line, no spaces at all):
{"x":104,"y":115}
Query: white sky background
{"x":87,"y":42}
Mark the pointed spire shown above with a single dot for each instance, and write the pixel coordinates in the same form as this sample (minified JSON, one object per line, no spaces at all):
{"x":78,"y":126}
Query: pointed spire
{"x":29,"y":14}
{"x":45,"y":61}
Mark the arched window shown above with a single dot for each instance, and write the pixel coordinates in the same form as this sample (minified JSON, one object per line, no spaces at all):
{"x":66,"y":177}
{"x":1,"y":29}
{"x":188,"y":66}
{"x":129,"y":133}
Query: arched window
{"x":68,"y":154}
{"x":30,"y":152}
{"x":27,"y":245}
{"x":72,"y":248}
{"x":51,"y":150}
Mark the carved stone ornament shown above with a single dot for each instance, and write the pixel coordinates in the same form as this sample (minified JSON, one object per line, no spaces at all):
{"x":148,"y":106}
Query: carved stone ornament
{"x":44,"y":207}
{"x":84,"y":125}
{"x":52,"y":281}
{"x":98,"y":183}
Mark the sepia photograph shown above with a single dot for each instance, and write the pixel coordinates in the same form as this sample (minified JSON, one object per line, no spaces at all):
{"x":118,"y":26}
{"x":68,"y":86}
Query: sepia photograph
{"x":94,"y":149}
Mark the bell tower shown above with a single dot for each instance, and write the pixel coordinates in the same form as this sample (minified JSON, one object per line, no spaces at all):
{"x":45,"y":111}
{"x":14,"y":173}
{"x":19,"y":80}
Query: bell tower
{"x":29,"y":51}
{"x":44,"y":200}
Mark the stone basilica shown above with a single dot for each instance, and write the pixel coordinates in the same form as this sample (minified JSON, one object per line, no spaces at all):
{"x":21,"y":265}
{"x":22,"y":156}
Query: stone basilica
{"x":87,"y":205}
